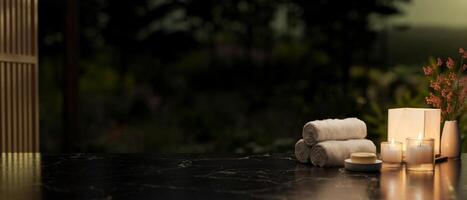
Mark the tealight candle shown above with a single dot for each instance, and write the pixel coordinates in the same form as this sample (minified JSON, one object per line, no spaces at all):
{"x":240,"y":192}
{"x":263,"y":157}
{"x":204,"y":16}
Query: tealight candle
{"x":391,"y":153}
{"x":419,"y":154}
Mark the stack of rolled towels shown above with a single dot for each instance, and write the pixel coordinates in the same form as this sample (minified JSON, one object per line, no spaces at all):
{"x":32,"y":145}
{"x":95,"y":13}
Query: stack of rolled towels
{"x":327,"y":143}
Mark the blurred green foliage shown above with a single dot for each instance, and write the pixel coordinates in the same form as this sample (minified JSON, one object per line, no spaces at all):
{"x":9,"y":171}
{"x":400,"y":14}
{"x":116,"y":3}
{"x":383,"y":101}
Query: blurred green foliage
{"x":219,"y":76}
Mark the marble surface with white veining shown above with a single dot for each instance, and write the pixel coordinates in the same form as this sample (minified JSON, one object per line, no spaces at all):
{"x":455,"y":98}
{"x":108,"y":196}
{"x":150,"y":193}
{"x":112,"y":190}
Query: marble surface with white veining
{"x":194,"y":176}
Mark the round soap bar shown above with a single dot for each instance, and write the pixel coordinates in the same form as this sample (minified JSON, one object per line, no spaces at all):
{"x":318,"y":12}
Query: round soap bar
{"x":373,"y":167}
{"x":363,"y":158}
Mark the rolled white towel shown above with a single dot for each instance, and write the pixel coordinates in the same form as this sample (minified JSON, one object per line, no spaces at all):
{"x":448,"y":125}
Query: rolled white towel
{"x":333,"y":129}
{"x":302,"y":151}
{"x":333,"y":153}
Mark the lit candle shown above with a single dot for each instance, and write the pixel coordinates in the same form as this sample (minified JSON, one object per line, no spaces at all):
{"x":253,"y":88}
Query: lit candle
{"x":391,"y":152}
{"x":419,"y":154}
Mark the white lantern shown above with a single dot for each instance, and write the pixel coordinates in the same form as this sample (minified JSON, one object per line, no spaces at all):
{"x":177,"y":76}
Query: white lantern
{"x":406,"y":123}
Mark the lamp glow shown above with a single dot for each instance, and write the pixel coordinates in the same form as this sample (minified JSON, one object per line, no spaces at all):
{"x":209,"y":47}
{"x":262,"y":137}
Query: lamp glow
{"x":420,"y":123}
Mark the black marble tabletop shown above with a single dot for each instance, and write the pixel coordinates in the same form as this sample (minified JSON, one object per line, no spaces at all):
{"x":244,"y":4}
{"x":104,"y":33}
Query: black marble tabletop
{"x":184,"y":176}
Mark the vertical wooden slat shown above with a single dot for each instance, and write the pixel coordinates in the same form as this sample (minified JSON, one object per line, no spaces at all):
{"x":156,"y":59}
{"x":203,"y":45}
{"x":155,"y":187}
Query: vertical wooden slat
{"x":25,"y":25}
{"x":10,"y":24}
{"x":28,"y":107}
{"x":4,"y":109}
{"x":34,"y":27}
{"x":22,"y":27}
{"x":14,"y":106}
{"x":23,"y":105}
{"x":19,"y":26}
{"x":35,"y":110}
{"x":25,"y":110}
{"x":7,"y":26}
{"x":8,"y":107}
{"x":23,"y":21}
{"x":28,"y":27}
{"x":2,"y":106}
{"x":28,"y":114}
{"x":12,"y":27}
{"x":2,"y":27}
{"x":20,"y":108}
{"x":31,"y":102}
{"x":14,"y":46}
{"x":14,"y":22}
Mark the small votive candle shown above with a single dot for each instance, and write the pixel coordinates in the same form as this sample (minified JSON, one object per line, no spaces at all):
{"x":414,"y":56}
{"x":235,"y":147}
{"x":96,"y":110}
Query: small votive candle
{"x":391,"y":153}
{"x":419,"y":155}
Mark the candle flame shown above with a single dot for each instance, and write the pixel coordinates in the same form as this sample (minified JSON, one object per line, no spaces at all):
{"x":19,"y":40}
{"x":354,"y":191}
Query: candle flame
{"x":391,"y":140}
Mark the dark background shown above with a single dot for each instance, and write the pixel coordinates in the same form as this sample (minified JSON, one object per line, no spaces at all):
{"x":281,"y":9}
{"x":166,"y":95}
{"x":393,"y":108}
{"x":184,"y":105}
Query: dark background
{"x":230,"y":76}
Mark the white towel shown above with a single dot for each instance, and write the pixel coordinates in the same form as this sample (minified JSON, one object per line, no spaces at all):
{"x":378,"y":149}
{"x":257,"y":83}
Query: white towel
{"x":333,"y":129}
{"x":302,"y":151}
{"x":333,"y":153}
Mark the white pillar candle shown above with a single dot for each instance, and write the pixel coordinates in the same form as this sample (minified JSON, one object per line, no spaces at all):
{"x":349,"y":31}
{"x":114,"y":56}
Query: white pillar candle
{"x":419,"y":154}
{"x":391,"y":152}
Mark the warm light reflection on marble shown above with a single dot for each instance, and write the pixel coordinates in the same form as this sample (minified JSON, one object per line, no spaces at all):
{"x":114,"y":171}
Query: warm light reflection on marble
{"x":390,"y":183}
{"x":20,"y":176}
{"x":393,"y":182}
{"x":447,"y":179}
{"x":404,"y":184}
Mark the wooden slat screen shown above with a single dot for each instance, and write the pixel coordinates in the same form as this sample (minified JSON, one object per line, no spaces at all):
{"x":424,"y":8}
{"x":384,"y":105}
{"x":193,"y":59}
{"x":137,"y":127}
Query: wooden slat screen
{"x":19,"y":112}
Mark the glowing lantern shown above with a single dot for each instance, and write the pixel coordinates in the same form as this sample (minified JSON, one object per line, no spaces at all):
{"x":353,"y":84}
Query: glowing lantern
{"x":410,"y":122}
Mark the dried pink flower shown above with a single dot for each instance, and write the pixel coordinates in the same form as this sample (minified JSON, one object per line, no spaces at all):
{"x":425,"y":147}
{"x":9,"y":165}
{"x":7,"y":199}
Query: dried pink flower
{"x":463,"y":81}
{"x":450,"y":63}
{"x":435,"y":85}
{"x":433,"y":100}
{"x":452,"y":76}
{"x":449,"y":87}
{"x":449,"y":97}
{"x":447,"y":94}
{"x":444,"y":92}
{"x":428,"y":70}
{"x":463,"y":85}
{"x":463,"y":53}
{"x":439,"y":62}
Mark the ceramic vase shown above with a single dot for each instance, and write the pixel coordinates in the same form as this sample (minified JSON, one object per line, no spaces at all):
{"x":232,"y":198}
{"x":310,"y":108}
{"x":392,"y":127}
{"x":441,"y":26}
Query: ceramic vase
{"x":450,"y":140}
